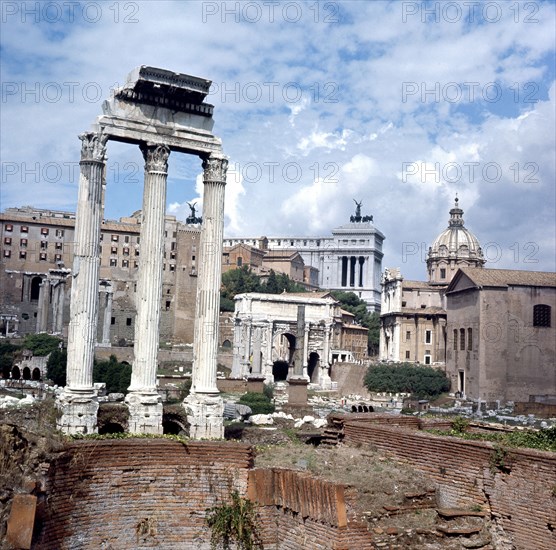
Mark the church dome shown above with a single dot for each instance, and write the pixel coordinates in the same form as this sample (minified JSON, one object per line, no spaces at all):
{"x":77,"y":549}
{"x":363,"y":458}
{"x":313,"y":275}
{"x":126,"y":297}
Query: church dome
{"x":455,"y":247}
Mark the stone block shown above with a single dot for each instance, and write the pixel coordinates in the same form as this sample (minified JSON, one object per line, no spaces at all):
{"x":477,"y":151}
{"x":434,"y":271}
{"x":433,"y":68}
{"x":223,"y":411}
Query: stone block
{"x":21,"y":521}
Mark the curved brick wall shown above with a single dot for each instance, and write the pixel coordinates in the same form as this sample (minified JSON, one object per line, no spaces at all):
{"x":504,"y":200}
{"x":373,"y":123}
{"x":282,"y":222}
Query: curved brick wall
{"x":138,"y":493}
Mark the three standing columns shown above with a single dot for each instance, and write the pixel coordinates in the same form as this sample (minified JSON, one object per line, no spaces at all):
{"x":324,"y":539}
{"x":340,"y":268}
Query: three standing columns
{"x":78,"y":402}
{"x":143,"y":401}
{"x":204,"y":405}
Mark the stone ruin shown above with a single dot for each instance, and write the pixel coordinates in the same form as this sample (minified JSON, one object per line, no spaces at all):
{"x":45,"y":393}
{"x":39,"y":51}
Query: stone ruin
{"x":160,"y":111}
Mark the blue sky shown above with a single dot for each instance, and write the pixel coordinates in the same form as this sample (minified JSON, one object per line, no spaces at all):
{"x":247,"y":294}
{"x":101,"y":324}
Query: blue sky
{"x":398,"y":104}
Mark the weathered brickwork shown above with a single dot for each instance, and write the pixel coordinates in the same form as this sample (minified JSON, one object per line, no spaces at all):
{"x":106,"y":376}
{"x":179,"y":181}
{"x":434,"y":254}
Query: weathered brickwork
{"x":135,"y":494}
{"x":517,"y":485}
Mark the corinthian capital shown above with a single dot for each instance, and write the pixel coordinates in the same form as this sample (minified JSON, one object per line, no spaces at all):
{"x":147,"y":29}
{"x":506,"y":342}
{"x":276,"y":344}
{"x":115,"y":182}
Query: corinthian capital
{"x":156,"y":157}
{"x":93,"y":146}
{"x":215,"y":169}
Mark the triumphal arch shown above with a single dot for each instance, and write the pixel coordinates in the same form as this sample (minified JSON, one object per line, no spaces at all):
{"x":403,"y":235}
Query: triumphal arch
{"x":161,"y":112}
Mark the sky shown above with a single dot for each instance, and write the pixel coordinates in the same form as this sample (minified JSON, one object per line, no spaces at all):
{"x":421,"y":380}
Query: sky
{"x":400,"y":105}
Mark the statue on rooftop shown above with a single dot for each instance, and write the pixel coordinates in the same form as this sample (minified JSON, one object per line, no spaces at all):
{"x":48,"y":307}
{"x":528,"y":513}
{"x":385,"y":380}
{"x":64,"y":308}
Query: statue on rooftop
{"x":358,"y":208}
{"x":193,"y":218}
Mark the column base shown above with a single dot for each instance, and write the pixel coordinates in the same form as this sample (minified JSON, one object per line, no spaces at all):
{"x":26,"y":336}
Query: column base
{"x":145,"y":412}
{"x":205,"y":414}
{"x":255,"y":383}
{"x":79,"y":411}
{"x":297,"y":391}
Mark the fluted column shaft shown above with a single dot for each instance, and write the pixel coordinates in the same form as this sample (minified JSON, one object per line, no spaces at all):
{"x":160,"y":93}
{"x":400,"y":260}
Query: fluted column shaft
{"x":86,"y":262}
{"x":42,"y":314}
{"x":209,"y":280}
{"x":149,"y":284}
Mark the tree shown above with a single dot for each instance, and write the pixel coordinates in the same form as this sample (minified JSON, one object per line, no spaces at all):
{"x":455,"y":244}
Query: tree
{"x":56,"y":367}
{"x":41,"y":344}
{"x":352,"y":303}
{"x":422,"y":381}
{"x":116,"y":375}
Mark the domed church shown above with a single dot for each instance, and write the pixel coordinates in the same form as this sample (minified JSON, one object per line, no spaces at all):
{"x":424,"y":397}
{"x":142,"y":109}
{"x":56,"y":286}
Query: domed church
{"x":413,"y":313}
{"x":455,"y":247}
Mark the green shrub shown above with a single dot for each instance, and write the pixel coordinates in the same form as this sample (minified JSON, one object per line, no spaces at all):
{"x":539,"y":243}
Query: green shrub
{"x":258,"y":402}
{"x":41,"y":344}
{"x":423,"y":382}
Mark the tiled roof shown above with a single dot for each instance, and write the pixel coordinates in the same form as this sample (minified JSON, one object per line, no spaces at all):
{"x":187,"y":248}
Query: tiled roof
{"x":419,"y":284}
{"x":509,"y":277}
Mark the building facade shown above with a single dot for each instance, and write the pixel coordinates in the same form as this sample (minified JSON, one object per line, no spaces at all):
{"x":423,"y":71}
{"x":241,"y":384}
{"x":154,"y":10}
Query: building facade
{"x":349,"y":260}
{"x":36,"y":255}
{"x":502,"y":336}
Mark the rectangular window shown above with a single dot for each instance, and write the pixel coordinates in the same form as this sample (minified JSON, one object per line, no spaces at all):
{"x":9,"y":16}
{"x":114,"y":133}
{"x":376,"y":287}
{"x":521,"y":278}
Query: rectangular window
{"x":167,"y":305}
{"x":44,"y":230}
{"x":8,"y":240}
{"x":407,"y":335}
{"x":455,"y":339}
{"x":112,"y":320}
{"x":469,"y":339}
{"x":58,"y":246}
{"x":462,"y":339}
{"x":126,"y":251}
{"x":427,"y":359}
{"x":24,"y":229}
{"x":7,"y":253}
{"x":101,"y":237}
{"x":125,"y":263}
{"x":22,"y":254}
{"x":113,"y":250}
{"x":128,"y":321}
{"x":442,"y":273}
{"x":407,"y":354}
{"x":172,"y":267}
{"x":57,"y":257}
{"x":44,"y":245}
{"x":9,"y":227}
{"x":541,"y":315}
{"x":59,"y":232}
{"x":113,"y":262}
{"x":126,"y":239}
{"x":136,"y":252}
{"x":42,"y":257}
{"x":135,"y":265}
{"x":173,"y":246}
{"x":115,"y":238}
{"x":428,"y":336}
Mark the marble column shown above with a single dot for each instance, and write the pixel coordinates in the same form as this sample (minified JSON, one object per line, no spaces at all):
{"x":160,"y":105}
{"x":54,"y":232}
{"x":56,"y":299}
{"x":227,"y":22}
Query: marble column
{"x":245,"y":362}
{"x":325,"y":381}
{"x":306,"y":351}
{"x":79,"y":400}
{"x":143,"y":401}
{"x":204,"y":405}
{"x":59,"y":320}
{"x":107,"y":319}
{"x":269,"y":376}
{"x":236,"y":362}
{"x":42,"y":311}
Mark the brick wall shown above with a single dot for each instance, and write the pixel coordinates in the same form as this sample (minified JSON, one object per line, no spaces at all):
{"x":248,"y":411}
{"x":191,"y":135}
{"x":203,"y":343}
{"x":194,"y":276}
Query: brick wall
{"x":135,"y":494}
{"x":522,"y":498}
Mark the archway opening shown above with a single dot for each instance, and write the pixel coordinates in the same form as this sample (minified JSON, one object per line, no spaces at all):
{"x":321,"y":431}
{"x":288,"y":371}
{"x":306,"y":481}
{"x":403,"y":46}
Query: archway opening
{"x":26,"y":373}
{"x":111,"y":428}
{"x":36,"y":374}
{"x":280,"y":370}
{"x":173,"y":424}
{"x":6,"y":371}
{"x":312,"y":370}
{"x":16,"y":373}
{"x":35,"y":288}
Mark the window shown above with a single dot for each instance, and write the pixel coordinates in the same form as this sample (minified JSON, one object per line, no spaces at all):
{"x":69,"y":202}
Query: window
{"x":113,"y":250}
{"x":115,"y":238}
{"x":126,"y":239}
{"x":112,"y":320}
{"x":59,"y":232}
{"x":407,"y":335}
{"x":193,"y":258}
{"x":7,"y":253}
{"x":167,"y":305}
{"x":44,"y":230}
{"x":113,"y":262}
{"x":407,"y":354}
{"x":128,"y":321}
{"x":9,"y":227}
{"x":7,"y":240}
{"x":136,"y":252}
{"x":291,"y":243}
{"x":172,"y":267}
{"x":541,"y":315}
{"x":126,"y":251}
{"x":125,"y":263}
{"x":442,"y":273}
{"x":173,"y":246}
{"x":22,"y":254}
{"x":24,"y":229}
{"x":462,"y":339}
{"x":172,"y":255}
{"x":469,"y":339}
{"x":455,"y":339}
{"x":101,"y":237}
{"x":44,"y":245}
{"x":42,"y":257}
{"x":428,"y":336}
{"x":404,"y":304}
{"x":239,"y":261}
{"x":135,"y":265}
{"x":427,"y":359}
{"x":58,"y":246}
{"x":57,"y":257}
